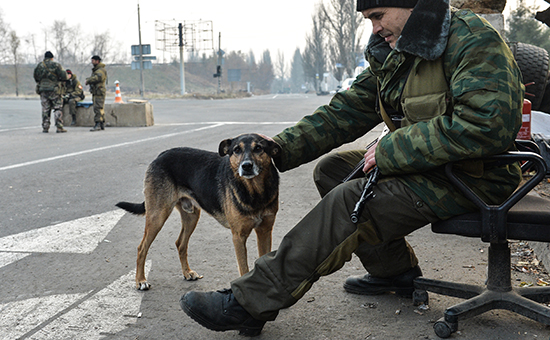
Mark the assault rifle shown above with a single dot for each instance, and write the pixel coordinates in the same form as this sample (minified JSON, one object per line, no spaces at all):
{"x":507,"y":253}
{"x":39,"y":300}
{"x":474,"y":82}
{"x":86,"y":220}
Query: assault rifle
{"x":372,"y":175}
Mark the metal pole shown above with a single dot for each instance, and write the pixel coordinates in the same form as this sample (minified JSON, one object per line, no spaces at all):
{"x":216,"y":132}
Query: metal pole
{"x":140,"y":57}
{"x":219,"y":60}
{"x":182,"y":68}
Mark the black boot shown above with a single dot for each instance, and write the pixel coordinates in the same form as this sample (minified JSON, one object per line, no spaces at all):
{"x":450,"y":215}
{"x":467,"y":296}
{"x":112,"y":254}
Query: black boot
{"x":102,"y":125}
{"x":401,"y":284}
{"x":73,"y":122}
{"x":220,"y":311}
{"x":97,"y":127}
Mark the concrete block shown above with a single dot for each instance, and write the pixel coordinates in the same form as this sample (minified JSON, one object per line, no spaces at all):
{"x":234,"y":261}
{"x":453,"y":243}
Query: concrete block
{"x":133,"y":113}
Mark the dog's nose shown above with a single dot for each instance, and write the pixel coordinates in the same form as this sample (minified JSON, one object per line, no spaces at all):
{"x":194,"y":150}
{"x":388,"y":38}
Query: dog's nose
{"x":247,"y":166}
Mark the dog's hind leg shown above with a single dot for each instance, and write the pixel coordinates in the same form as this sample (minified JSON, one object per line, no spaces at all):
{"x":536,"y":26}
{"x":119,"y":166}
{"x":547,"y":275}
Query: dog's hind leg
{"x":154,"y":220}
{"x":189,"y":218}
{"x":263,"y":234}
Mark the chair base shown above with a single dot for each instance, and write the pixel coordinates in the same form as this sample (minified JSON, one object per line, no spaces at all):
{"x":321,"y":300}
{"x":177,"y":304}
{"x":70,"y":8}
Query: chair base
{"x":523,"y":301}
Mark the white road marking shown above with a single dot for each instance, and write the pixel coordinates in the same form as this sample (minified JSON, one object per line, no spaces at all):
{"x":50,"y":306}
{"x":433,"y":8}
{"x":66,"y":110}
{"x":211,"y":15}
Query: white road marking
{"x":79,"y":236}
{"x":213,"y":125}
{"x":38,"y":161}
{"x":20,"y":317}
{"x":87,"y":315}
{"x":64,"y":316}
{"x":7,"y":258}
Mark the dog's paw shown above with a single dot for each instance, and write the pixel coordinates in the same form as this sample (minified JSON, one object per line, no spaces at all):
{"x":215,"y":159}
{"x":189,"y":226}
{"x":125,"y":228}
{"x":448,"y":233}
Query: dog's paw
{"x":143,"y":285}
{"x":192,"y":275}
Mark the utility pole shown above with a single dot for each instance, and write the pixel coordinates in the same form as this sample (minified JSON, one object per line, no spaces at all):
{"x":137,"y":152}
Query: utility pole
{"x":182,"y":69}
{"x":140,"y":56}
{"x":219,"y":68}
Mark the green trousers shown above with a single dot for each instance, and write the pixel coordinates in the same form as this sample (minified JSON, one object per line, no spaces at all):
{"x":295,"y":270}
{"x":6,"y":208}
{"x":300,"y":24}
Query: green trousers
{"x":98,"y":105}
{"x":325,"y":239}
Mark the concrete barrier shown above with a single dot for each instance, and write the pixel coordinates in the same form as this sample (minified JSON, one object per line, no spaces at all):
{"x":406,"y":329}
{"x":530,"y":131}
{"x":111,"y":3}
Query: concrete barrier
{"x":133,"y":113}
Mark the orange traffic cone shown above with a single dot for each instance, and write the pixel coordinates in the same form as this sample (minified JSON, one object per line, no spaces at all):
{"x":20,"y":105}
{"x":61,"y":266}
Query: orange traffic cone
{"x":118,"y":97}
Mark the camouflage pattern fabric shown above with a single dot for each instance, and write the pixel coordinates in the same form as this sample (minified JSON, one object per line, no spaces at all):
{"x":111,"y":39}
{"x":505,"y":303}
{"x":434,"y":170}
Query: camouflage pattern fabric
{"x":73,"y":88}
{"x":487,"y":97}
{"x":51,"y":101}
{"x":49,"y":75}
{"x":73,"y":93}
{"x":99,"y":111}
{"x":97,"y":87}
{"x":97,"y":80}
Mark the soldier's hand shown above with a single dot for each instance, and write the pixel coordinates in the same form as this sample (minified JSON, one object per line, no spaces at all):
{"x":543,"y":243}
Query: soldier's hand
{"x":370,"y":161}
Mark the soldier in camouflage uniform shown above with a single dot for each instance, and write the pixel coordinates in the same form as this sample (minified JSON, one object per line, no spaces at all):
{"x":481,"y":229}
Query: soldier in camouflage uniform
{"x":50,"y":78}
{"x":459,"y":89}
{"x":98,"y":90}
{"x":73,"y":94}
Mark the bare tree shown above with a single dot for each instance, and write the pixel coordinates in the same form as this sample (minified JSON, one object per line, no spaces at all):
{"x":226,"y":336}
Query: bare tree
{"x":297,"y":71}
{"x":60,"y":39}
{"x":265,"y":76}
{"x":345,"y":32}
{"x":15,"y":43}
{"x":315,"y":52}
{"x":4,"y":38}
{"x":281,"y":67}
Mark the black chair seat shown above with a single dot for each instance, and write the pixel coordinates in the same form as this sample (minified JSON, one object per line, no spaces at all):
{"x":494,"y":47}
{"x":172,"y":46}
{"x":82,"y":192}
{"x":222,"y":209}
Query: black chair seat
{"x":528,"y":220}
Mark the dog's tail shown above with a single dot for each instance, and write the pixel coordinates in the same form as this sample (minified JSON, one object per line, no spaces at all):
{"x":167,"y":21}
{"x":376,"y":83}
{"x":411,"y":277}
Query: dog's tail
{"x":134,"y":208}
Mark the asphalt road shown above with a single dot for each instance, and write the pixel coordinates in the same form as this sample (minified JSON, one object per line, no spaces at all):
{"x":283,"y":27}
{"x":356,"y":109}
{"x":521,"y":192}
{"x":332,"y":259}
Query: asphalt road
{"x":67,"y":255}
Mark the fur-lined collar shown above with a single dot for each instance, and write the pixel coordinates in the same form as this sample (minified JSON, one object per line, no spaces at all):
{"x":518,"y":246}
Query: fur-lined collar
{"x":425,"y":34}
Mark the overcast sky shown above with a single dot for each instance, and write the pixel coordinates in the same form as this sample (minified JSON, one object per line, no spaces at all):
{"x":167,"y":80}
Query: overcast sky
{"x":244,"y":24}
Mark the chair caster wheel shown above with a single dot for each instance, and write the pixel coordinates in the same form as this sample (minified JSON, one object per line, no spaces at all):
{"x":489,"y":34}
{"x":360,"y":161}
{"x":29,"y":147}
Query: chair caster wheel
{"x":420,"y":297}
{"x":444,"y":329}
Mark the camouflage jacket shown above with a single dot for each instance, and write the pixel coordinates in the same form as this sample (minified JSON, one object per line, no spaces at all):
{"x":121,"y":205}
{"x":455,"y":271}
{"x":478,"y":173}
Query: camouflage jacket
{"x":485,"y":116}
{"x":49,"y":76}
{"x":97,"y":80}
{"x":73,"y":88}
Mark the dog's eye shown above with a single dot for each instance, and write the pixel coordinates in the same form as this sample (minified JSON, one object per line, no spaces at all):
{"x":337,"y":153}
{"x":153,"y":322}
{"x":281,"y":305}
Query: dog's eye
{"x":237,"y":150}
{"x":258,"y":148}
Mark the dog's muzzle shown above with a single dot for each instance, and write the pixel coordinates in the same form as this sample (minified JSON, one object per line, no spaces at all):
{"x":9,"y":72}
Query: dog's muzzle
{"x":248,"y":169}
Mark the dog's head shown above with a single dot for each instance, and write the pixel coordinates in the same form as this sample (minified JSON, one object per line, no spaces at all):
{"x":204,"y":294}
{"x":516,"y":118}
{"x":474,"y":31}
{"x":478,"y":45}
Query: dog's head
{"x":249,"y":154}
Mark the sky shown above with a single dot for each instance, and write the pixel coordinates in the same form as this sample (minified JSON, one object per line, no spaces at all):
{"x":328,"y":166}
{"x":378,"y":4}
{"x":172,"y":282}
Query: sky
{"x":244,"y":24}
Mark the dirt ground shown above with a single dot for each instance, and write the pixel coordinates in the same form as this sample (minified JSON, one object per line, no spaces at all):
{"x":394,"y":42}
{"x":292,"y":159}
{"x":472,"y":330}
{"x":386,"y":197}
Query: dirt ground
{"x":524,"y":259}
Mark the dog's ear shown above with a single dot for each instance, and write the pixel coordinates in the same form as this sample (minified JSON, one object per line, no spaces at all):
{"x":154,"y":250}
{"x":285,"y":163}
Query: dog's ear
{"x":273,"y":148}
{"x":225,"y":147}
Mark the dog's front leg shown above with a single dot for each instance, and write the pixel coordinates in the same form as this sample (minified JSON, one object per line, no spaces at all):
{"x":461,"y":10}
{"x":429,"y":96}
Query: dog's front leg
{"x":240,"y":235}
{"x":263,"y":234}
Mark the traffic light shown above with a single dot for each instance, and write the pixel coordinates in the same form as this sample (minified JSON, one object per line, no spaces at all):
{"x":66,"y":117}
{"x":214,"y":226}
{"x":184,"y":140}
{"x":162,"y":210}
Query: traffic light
{"x":218,"y":71}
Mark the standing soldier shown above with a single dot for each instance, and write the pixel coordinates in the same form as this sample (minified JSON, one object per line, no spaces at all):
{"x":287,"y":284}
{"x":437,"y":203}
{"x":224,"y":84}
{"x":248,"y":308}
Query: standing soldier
{"x":73,"y":94}
{"x":49,"y":77}
{"x":97,"y":88}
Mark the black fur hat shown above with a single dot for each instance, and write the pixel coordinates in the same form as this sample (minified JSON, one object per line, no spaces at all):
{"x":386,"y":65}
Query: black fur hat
{"x":48,"y":55}
{"x":366,"y":4}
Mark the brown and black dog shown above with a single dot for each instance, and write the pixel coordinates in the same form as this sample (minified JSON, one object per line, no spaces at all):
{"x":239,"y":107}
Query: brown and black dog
{"x":238,"y":186}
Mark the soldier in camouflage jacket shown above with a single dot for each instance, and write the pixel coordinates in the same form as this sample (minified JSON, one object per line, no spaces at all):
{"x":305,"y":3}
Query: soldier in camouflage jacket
{"x":97,"y":82}
{"x":456,"y":82}
{"x":73,"y":94}
{"x":50,"y":78}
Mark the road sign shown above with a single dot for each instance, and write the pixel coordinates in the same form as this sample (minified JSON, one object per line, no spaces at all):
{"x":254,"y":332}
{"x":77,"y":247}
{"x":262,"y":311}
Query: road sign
{"x":145,"y":57}
{"x":234,"y":74}
{"x":145,"y":49}
{"x":147,"y":65}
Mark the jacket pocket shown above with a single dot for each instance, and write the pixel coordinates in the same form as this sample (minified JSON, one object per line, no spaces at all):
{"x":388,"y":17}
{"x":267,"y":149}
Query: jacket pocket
{"x":424,"y":107}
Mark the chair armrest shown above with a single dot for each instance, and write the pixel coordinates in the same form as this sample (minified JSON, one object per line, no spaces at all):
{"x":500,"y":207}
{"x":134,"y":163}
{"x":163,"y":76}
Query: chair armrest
{"x":494,"y":216}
